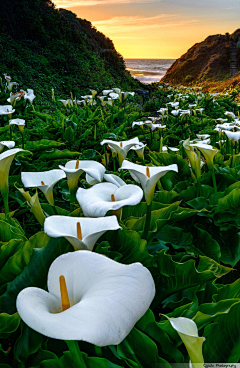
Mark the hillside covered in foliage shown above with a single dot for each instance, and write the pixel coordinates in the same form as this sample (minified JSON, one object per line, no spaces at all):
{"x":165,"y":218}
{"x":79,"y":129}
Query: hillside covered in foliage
{"x":215,"y":59}
{"x":43,"y":48}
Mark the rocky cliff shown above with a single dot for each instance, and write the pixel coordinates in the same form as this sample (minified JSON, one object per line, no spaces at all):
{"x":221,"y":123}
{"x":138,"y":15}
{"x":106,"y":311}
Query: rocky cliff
{"x":216,"y":58}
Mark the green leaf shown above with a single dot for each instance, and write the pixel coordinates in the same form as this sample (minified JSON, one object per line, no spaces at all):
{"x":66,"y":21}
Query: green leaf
{"x":130,"y":245}
{"x":141,"y":349}
{"x":35,"y":273}
{"x":16,"y":263}
{"x":205,"y":243}
{"x":223,"y":338}
{"x":8,"y":324}
{"x":43,"y":144}
{"x":174,"y":276}
{"x":58,"y":155}
{"x":28,"y":343}
{"x":50,"y":211}
{"x":149,"y":326}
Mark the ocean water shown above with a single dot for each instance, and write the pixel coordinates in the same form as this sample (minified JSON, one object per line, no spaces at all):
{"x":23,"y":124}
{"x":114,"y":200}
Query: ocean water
{"x":148,"y":70}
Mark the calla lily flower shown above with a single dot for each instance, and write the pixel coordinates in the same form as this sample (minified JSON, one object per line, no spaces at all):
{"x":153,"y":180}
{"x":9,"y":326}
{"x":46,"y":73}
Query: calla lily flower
{"x":203,"y":136}
{"x":14,"y":97}
{"x":104,"y":197}
{"x":75,"y":168}
{"x":67,"y":102}
{"x":121,"y":148}
{"x":105,"y":92}
{"x":102,"y":299}
{"x":11,"y":84}
{"x":117,"y":90}
{"x":111,"y":178}
{"x":29,"y":95}
{"x":235,"y":136}
{"x":175,"y":112}
{"x":8,"y":144}
{"x":35,"y":205}
{"x":222,"y":120}
{"x":113,"y":95}
{"x":141,"y":123}
{"x":81,"y":232}
{"x":192,"y":105}
{"x":230,"y":114}
{"x":147,"y":176}
{"x":208,"y":152}
{"x":158,"y":126}
{"x":6,"y":159}
{"x":93,"y":93}
{"x":6,"y":110}
{"x":188,"y":332}
{"x":227,"y":126}
{"x":139,"y":149}
{"x":44,"y":181}
{"x":185,"y":112}
{"x":19,"y":122}
{"x":163,"y":110}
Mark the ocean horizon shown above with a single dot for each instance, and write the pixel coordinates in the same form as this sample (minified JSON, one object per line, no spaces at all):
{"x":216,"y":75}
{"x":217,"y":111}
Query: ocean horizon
{"x":148,"y":70}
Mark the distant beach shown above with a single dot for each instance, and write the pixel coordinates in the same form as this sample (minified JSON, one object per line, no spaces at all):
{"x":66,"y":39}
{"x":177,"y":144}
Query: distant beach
{"x":148,"y":70}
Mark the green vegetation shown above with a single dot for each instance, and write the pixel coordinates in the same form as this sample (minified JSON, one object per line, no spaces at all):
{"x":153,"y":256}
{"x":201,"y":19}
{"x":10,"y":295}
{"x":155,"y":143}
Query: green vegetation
{"x":46,"y":48}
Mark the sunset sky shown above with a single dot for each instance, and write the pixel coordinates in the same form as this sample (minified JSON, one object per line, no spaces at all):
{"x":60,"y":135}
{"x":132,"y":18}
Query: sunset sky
{"x":160,"y":28}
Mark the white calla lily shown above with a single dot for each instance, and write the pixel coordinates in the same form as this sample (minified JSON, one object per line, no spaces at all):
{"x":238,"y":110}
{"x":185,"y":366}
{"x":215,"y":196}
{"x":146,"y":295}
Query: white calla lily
{"x":158,"y":126}
{"x":6,"y":110}
{"x":147,"y":176}
{"x":75,"y":168}
{"x":203,"y":136}
{"x":188,"y":332}
{"x":230,"y":114}
{"x":104,"y":197}
{"x":122,"y":147}
{"x":175,"y":112}
{"x":35,"y":205}
{"x":29,"y":95}
{"x":111,"y":178}
{"x":14,"y":97}
{"x":19,"y":122}
{"x":6,"y":159}
{"x":8,"y":144}
{"x":139,"y":149}
{"x":106,"y":299}
{"x":227,"y":126}
{"x":105,"y":92}
{"x":208,"y":152}
{"x":235,"y":136}
{"x":81,"y":232}
{"x":44,"y":180}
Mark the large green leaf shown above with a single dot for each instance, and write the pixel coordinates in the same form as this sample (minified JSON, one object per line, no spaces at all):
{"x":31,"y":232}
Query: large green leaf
{"x":8,"y":324}
{"x":166,"y":159}
{"x":43,"y":144}
{"x":35,"y":273}
{"x":58,"y":155}
{"x":173,"y":276}
{"x":130,"y":245}
{"x":148,"y":325}
{"x":223,"y":338}
{"x":16,"y":263}
{"x":141,"y":349}
{"x":29,"y":342}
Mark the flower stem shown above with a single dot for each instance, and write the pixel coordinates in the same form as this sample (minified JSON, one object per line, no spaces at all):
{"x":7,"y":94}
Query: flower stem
{"x":76,"y":354}
{"x":22,"y":141}
{"x":72,"y":200}
{"x":55,"y":210}
{"x":6,"y":206}
{"x":214,"y":181}
{"x":147,"y":223}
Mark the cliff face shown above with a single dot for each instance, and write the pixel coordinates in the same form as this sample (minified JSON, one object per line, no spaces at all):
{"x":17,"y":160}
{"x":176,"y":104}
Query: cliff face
{"x":207,"y":60}
{"x":42,"y":47}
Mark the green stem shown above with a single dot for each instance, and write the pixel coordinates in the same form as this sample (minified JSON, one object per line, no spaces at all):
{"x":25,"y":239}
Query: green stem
{"x":105,"y":154}
{"x":72,"y":200}
{"x":6,"y":206}
{"x":147,"y":223}
{"x":22,"y":140}
{"x":214,"y":181}
{"x":55,"y":210}
{"x":76,"y":354}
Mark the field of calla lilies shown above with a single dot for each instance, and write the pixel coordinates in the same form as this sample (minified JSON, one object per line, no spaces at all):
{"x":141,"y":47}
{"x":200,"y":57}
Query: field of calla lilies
{"x":119,"y":228}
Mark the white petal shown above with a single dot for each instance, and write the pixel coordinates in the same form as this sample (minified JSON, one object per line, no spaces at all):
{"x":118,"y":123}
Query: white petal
{"x":109,"y":299}
{"x":96,"y":201}
{"x":91,"y":228}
